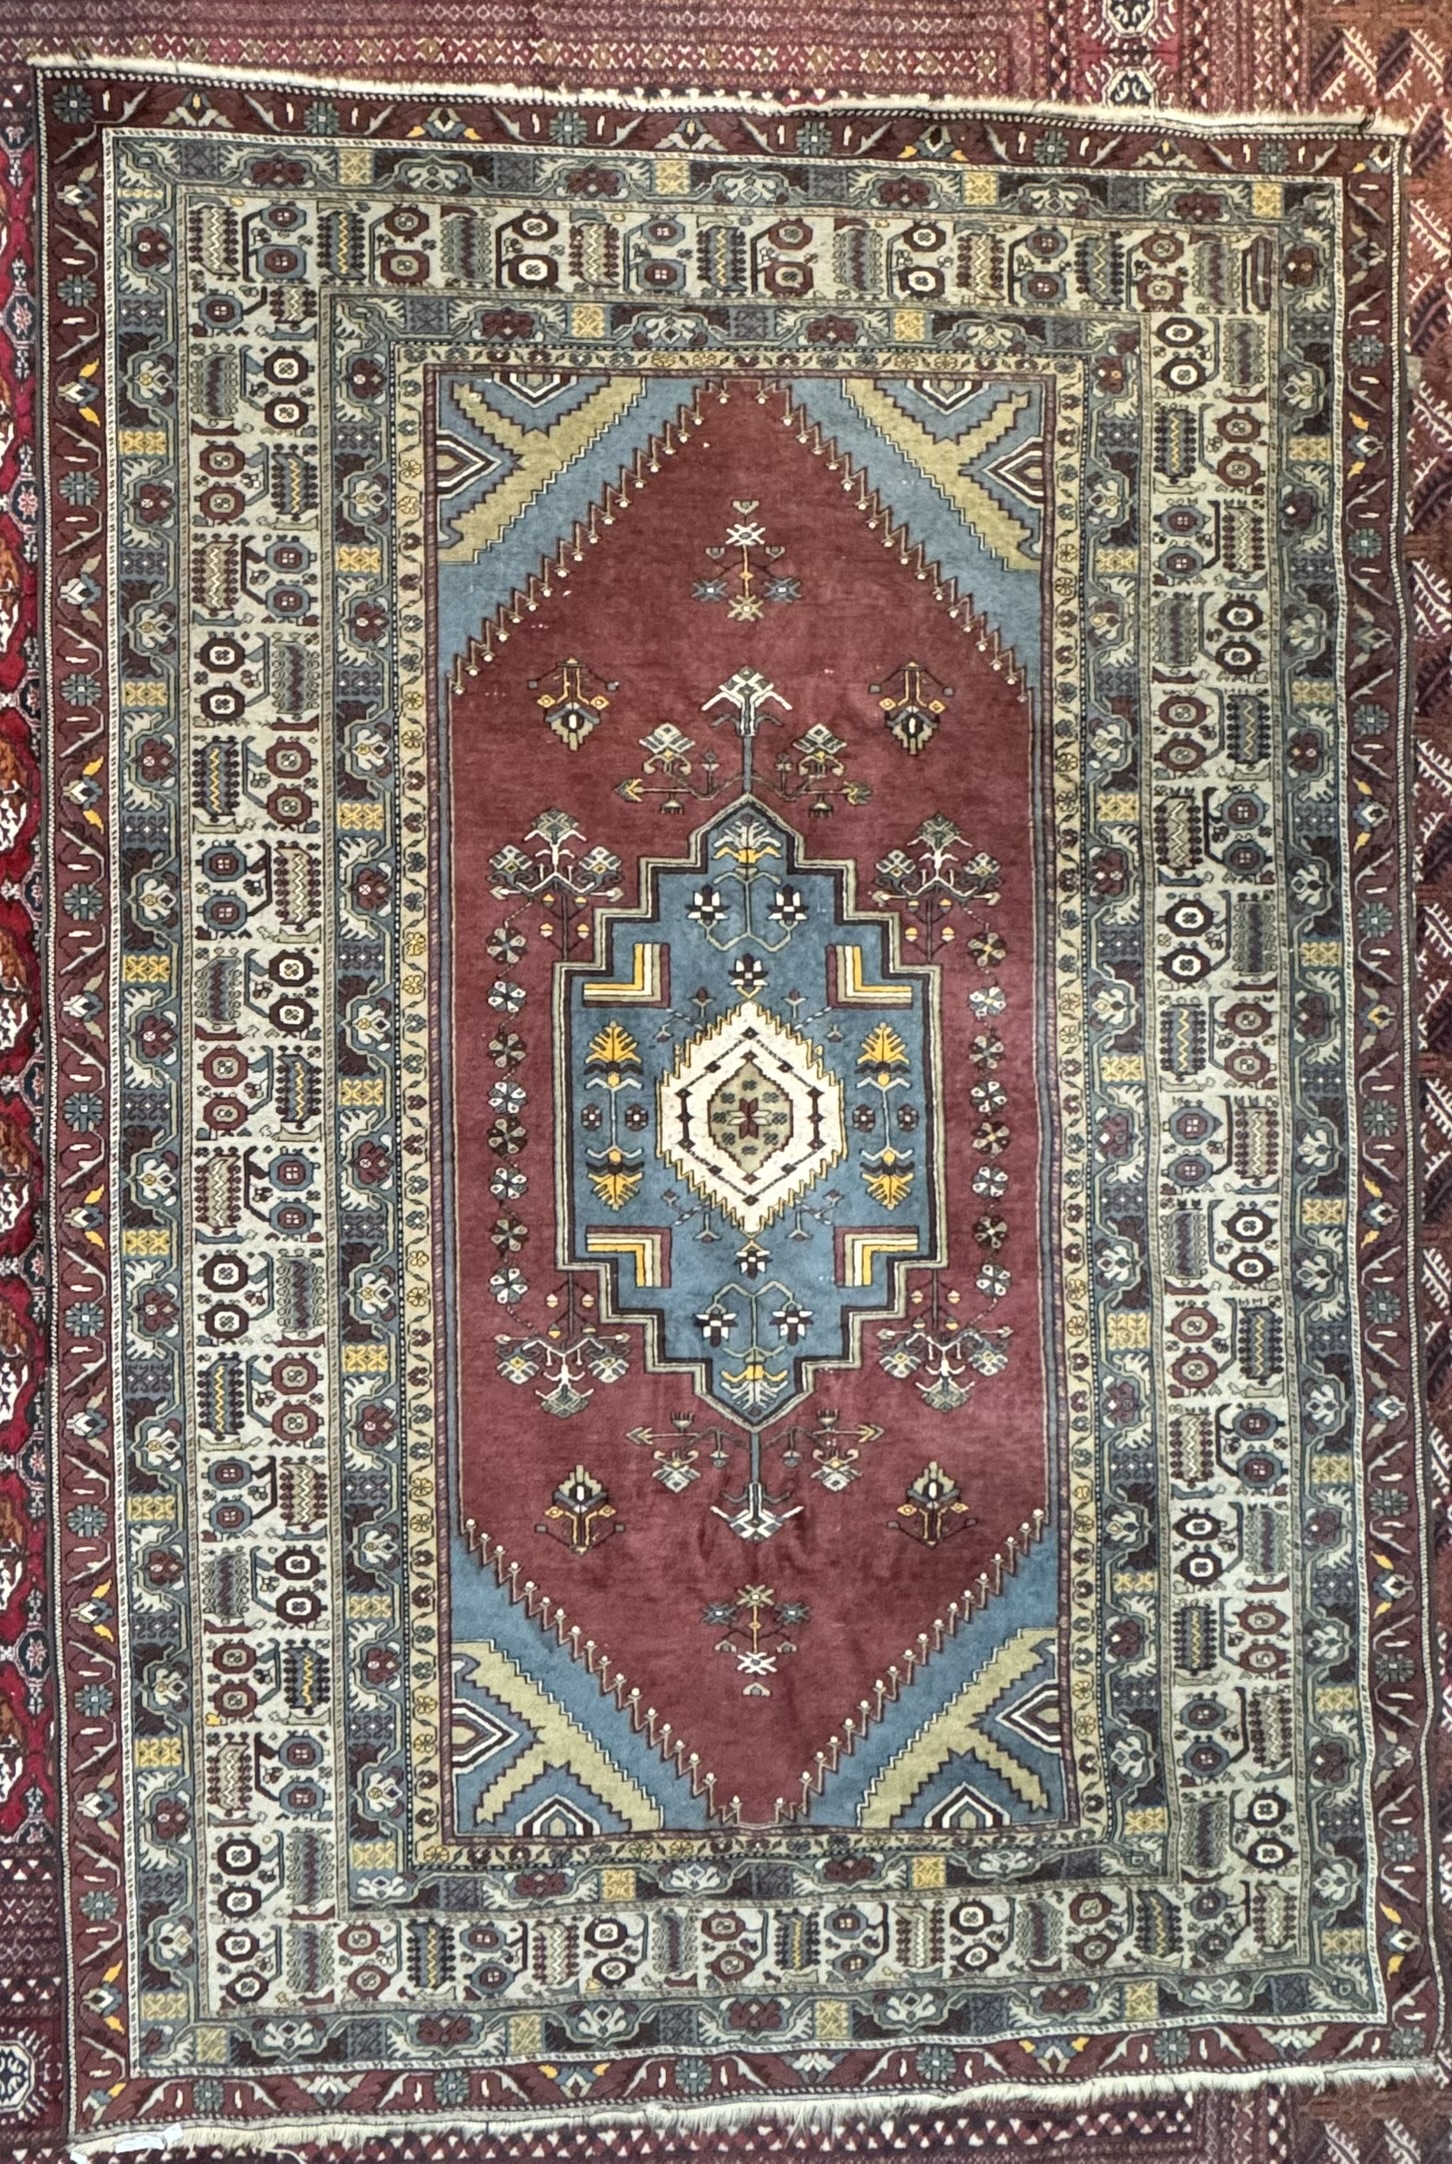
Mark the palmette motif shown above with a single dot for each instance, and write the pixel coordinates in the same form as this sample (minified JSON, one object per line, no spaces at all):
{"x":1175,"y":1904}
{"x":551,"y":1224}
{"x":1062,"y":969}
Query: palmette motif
{"x":1169,"y":1698}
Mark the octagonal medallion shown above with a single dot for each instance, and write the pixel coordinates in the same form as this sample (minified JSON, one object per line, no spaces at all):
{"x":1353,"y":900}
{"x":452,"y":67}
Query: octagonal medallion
{"x":749,"y":1116}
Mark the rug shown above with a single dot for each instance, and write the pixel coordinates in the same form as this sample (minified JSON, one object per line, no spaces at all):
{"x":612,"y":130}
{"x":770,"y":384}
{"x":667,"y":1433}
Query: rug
{"x":714,"y":1510}
{"x":1229,"y":55}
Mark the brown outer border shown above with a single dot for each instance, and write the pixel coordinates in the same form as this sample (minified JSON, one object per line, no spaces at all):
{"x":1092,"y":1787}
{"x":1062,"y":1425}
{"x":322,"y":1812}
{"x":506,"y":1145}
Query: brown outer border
{"x":1380,"y":776}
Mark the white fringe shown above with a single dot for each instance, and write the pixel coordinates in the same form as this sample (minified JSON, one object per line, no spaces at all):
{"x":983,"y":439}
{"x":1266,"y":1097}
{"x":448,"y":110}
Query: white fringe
{"x":1138,"y":120}
{"x":813,"y":2114}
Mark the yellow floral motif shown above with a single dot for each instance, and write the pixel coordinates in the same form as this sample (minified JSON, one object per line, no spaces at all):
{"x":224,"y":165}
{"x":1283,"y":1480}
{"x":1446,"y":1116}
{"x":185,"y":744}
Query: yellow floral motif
{"x":613,"y":1048}
{"x":883,"y":1050}
{"x":888,"y":1187}
{"x":615,"y":1182}
{"x":888,"y":1175}
{"x":615,"y":1174}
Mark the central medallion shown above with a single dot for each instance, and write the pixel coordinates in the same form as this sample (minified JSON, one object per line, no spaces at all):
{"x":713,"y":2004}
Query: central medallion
{"x":751,"y":1162}
{"x":750,"y":1116}
{"x":750,"y":1130}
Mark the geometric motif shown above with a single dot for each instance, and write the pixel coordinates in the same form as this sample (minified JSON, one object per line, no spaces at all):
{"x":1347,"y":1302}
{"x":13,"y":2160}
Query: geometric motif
{"x":542,"y":1653}
{"x":751,"y":1110}
{"x":750,"y":1042}
{"x":930,"y":1775}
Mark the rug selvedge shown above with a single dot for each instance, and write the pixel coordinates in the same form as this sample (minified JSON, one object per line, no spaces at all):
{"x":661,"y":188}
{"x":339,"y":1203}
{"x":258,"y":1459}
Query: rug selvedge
{"x":30,"y":2051}
{"x":298,"y":887}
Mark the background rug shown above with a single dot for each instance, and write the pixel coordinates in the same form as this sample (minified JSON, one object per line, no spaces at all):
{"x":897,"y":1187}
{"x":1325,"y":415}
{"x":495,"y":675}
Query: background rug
{"x":470,"y":546}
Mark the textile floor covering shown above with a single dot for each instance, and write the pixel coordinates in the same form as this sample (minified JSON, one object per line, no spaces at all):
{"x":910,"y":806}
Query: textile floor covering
{"x":711,"y":1329}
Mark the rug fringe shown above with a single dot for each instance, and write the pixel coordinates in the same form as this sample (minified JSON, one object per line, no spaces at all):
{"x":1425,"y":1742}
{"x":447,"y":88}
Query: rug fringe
{"x":1145,"y":120}
{"x":815,"y":2114}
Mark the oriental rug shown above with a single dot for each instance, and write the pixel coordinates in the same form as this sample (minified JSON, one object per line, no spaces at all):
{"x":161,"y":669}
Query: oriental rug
{"x":734,"y":1386}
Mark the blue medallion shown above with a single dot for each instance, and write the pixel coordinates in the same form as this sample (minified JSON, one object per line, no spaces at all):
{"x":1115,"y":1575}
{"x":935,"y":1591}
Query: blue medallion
{"x":749,"y":1137}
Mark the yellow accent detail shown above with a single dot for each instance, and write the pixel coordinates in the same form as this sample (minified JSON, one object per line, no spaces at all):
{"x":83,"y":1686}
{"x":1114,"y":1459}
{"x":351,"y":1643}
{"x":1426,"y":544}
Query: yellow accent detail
{"x":1153,"y":1819}
{"x":1323,"y":1210}
{"x":151,"y":1509}
{"x":1119,"y":807}
{"x":587,"y":320}
{"x":355,"y":165}
{"x":143,"y":1240}
{"x":888,"y":1189}
{"x":1310,"y":450}
{"x":357,"y":556}
{"x":360,"y":815}
{"x":954,"y":1732}
{"x":672,"y":174}
{"x":1129,"y":1332}
{"x":614,"y":1047}
{"x":1141,"y":2003}
{"x":141,"y":442}
{"x":863,"y":1248}
{"x":559,"y":1741}
{"x":1122,"y":1067}
{"x":1108,"y":561}
{"x":1135,"y":1581}
{"x":1350,"y":1941}
{"x":830,"y":2023}
{"x":369,"y":1607}
{"x":145,"y":969}
{"x":943,"y":463}
{"x":158,"y":1750}
{"x":1267,"y":199}
{"x":645,"y":1250}
{"x":164,"y":2005}
{"x":909,"y":327}
{"x":526,"y":2036}
{"x":979,"y":184}
{"x":617,"y":1885}
{"x":1321,"y":953}
{"x":1311,"y":691}
{"x":1332,"y":1467}
{"x":362,"y":1089}
{"x":616,"y":1185}
{"x":543,"y":454}
{"x":369,"y":1855}
{"x":365,"y":1359}
{"x":883,"y":1048}
{"x":143,"y":693}
{"x":928,"y":1871}
{"x":856,"y":990}
{"x":642,"y":987}
{"x":1336,"y":1698}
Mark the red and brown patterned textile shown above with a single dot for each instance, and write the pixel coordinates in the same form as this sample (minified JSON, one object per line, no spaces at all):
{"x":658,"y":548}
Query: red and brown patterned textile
{"x":1216,"y":57}
{"x":1228,"y":59}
